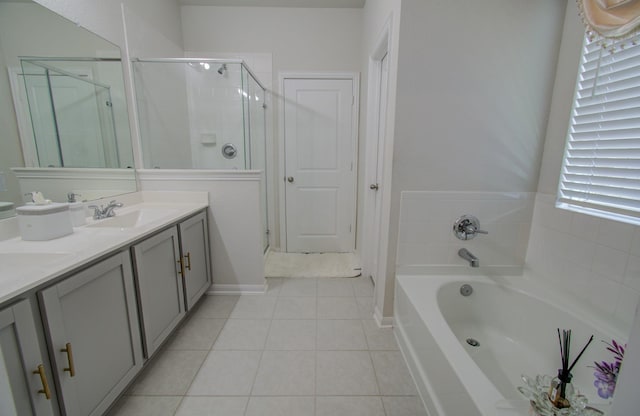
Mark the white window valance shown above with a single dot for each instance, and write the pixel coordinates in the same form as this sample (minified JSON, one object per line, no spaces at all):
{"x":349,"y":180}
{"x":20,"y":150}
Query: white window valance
{"x":611,"y":18}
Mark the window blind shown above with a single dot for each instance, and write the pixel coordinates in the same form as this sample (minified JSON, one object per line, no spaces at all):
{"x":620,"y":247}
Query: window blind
{"x":601,"y":165}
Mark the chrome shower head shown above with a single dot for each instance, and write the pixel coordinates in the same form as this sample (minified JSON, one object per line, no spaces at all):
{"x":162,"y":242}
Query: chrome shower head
{"x":222,"y":69}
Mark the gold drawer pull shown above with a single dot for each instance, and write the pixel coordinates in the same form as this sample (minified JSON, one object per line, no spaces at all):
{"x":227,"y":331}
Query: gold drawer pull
{"x":181,"y":271}
{"x":71,"y":369}
{"x":45,"y":384}
{"x":188,"y":257}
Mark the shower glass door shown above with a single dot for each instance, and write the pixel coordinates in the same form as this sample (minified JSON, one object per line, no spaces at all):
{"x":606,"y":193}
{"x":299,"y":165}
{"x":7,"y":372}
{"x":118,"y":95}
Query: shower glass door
{"x":71,"y":116}
{"x":255,"y":108}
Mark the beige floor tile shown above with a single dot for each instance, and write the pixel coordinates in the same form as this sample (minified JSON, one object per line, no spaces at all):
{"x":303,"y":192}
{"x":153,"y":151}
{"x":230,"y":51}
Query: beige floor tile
{"x":379,"y":338}
{"x":335,"y":287}
{"x":349,"y":406}
{"x":170,"y":373}
{"x":345,"y":373}
{"x":403,"y":406}
{"x":146,"y":406}
{"x":254,"y":307}
{"x":292,"y":334}
{"x":299,"y":287}
{"x":274,"y":284}
{"x":212,"y":406}
{"x":285,"y":373}
{"x":296,"y":308}
{"x":281,"y":406}
{"x":340,"y":334}
{"x":243,"y":334}
{"x":393,"y":375}
{"x":226,"y":373}
{"x":196,"y":334}
{"x":365,"y":307}
{"x":338,"y":308}
{"x":362,"y":286}
{"x":217,"y":306}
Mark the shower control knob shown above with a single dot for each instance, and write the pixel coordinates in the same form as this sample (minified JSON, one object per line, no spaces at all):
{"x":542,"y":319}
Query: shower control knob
{"x":467,"y":227}
{"x":290,"y":179}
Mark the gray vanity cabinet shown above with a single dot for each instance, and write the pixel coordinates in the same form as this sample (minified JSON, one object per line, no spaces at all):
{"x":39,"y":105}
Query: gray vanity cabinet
{"x":94,"y":336}
{"x":161,"y":298}
{"x":24,"y":374}
{"x":194,"y":246}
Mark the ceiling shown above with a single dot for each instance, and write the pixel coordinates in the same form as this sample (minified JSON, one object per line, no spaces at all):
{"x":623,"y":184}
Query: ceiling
{"x":278,"y":3}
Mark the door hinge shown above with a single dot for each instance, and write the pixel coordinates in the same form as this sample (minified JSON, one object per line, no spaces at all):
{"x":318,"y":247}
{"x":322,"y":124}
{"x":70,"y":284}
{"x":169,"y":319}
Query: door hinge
{"x":349,"y":227}
{"x":353,"y":100}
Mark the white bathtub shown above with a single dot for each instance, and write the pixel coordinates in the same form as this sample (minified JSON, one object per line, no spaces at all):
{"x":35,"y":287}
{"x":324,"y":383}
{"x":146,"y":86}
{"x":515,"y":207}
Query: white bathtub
{"x":516,"y":324}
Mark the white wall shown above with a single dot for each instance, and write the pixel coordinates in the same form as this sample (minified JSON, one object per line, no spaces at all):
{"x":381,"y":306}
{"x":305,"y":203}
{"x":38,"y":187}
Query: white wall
{"x":235,"y":222}
{"x":298,"y":39}
{"x":161,"y":21}
{"x":474,"y":85}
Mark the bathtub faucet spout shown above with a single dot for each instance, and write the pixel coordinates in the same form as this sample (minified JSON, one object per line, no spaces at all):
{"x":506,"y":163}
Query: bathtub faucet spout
{"x":466,"y":254}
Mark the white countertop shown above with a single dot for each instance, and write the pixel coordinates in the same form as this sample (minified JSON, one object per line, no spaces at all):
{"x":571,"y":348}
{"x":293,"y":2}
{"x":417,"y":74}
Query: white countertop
{"x":25,"y":265}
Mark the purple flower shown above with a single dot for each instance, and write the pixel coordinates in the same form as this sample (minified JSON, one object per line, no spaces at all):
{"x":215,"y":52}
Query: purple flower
{"x":607,"y":372}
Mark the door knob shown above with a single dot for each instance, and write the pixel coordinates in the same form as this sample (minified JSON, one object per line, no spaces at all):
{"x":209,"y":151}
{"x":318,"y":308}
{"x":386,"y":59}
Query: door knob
{"x":373,"y":186}
{"x":290,"y":179}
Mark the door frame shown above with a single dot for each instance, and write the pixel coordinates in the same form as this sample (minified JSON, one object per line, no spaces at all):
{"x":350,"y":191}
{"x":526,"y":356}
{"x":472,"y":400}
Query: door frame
{"x":383,"y":46}
{"x":282,"y":76}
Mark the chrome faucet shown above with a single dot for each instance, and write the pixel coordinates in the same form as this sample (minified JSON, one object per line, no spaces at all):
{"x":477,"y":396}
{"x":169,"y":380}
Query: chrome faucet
{"x":466,"y":254}
{"x":101,"y":212}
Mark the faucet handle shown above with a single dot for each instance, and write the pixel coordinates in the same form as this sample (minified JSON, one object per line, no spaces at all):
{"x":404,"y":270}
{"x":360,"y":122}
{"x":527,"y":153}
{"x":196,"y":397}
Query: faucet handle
{"x":97,"y":211}
{"x":466,"y":227}
{"x":470,"y":229}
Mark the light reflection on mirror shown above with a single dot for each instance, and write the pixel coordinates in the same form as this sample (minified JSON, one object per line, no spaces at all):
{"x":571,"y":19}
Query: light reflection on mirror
{"x":62,"y":105}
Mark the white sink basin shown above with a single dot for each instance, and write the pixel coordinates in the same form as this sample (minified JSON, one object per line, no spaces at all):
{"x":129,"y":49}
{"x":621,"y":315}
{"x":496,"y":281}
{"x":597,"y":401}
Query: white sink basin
{"x":133,"y":219}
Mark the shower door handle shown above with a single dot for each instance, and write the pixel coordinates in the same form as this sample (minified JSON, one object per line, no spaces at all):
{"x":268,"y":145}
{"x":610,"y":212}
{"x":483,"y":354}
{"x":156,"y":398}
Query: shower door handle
{"x":290,"y":179}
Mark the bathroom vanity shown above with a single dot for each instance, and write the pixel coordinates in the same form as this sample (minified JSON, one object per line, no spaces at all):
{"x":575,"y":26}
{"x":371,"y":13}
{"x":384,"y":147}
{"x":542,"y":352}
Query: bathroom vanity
{"x":81,"y":314}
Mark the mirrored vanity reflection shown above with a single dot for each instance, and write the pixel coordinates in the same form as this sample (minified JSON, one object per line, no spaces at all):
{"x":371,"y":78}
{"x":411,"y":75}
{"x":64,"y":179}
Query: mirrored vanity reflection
{"x":63,"y":111}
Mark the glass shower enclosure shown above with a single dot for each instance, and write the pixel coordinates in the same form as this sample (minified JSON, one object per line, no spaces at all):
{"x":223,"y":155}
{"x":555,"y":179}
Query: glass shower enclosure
{"x":202,"y":114}
{"x":71,"y":109}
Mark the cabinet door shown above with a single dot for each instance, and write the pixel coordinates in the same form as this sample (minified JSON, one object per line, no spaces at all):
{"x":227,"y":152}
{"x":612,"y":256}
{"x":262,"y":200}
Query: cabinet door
{"x":23,"y":391}
{"x":94,"y":335}
{"x":159,"y":287}
{"x":195,"y":252}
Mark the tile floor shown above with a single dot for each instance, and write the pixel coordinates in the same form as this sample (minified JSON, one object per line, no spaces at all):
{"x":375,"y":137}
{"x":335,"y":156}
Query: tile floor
{"x":308,"y":347}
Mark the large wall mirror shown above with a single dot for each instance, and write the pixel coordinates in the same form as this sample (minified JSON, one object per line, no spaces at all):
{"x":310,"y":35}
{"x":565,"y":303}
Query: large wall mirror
{"x":63,"y":110}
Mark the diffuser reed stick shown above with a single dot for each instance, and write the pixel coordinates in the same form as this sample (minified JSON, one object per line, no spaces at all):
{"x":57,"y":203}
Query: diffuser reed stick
{"x":558,"y":390}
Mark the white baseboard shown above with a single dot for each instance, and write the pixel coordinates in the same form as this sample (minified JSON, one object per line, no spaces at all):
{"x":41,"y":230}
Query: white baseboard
{"x":382,"y":321}
{"x":226,"y":289}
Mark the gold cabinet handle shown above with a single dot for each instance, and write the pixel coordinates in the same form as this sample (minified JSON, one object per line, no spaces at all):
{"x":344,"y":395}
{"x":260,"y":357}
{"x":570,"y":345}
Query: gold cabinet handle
{"x":188,"y":257}
{"x":71,"y":369}
{"x":45,"y":384}
{"x":181,"y":271}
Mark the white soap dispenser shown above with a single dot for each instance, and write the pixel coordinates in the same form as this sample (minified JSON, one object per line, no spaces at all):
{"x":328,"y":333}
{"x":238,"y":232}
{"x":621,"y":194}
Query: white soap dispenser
{"x":76,"y":209}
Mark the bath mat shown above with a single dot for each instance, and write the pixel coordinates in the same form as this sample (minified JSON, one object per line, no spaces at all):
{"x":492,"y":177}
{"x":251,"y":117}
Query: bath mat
{"x":311,"y":265}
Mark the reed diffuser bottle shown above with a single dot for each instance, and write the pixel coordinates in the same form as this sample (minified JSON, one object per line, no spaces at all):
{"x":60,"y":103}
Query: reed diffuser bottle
{"x":560,"y":389}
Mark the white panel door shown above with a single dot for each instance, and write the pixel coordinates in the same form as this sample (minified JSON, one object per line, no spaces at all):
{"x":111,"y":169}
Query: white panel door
{"x":319,"y":165}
